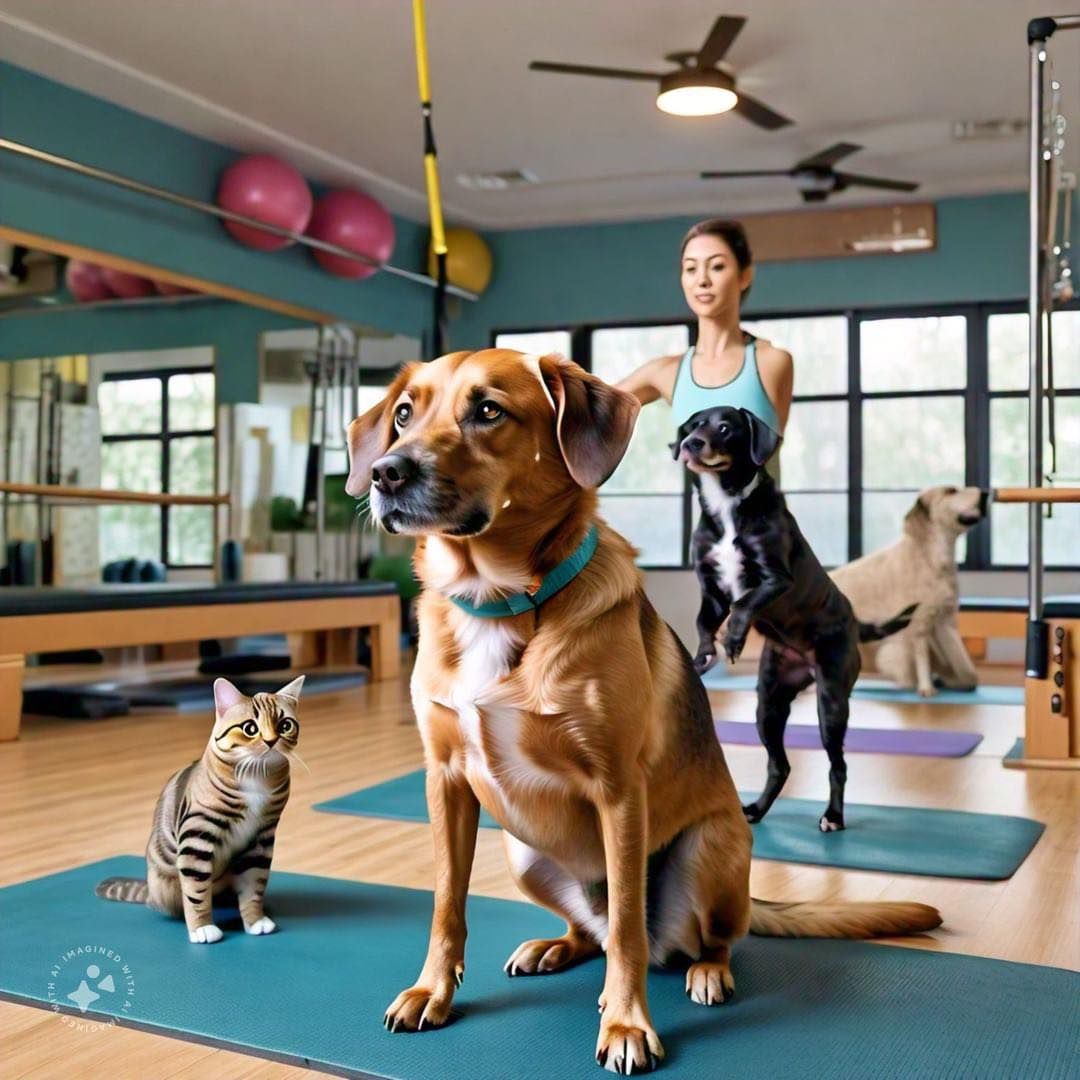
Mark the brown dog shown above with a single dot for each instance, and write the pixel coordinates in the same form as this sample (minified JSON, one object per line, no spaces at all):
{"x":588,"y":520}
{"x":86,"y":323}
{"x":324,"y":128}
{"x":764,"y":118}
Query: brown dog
{"x":579,"y":723}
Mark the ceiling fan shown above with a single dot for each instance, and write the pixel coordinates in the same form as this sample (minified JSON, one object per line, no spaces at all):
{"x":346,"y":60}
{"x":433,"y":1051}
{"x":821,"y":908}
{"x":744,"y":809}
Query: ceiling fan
{"x":697,"y":87}
{"x":817,"y":179}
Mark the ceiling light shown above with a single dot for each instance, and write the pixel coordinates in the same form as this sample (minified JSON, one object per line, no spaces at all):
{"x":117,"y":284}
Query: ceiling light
{"x":696,"y":93}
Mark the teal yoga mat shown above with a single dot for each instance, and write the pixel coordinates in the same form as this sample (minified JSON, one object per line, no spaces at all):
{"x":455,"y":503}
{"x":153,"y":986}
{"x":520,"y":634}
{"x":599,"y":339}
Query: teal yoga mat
{"x":314,"y":993}
{"x":880,"y":690}
{"x":894,"y":839}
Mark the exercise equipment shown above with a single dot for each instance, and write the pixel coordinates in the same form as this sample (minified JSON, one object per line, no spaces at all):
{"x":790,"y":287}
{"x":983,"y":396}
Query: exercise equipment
{"x":893,"y":839}
{"x":916,"y":741}
{"x":166,"y":288}
{"x":314,"y":993}
{"x":86,"y":282}
{"x":431,"y":181}
{"x":356,"y":222}
{"x":324,"y":619}
{"x":152,"y":191}
{"x":468,"y":260}
{"x":127,"y":286}
{"x":1052,"y":684}
{"x":269,"y":190}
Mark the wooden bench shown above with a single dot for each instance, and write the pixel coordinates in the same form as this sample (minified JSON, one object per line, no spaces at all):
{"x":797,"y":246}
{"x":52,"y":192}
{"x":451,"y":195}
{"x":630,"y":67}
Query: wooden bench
{"x":322,"y":621}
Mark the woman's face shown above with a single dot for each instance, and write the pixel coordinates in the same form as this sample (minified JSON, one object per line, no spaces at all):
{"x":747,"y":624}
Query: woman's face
{"x":712,"y":280}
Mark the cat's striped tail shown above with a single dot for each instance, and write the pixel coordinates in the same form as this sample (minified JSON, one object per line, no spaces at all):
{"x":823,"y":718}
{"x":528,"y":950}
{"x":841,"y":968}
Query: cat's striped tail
{"x":131,"y":890}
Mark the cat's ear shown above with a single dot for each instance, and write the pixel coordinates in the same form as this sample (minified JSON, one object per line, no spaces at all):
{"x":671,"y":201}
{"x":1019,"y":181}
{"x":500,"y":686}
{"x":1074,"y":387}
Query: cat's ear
{"x":225,"y":696}
{"x":293,"y":689}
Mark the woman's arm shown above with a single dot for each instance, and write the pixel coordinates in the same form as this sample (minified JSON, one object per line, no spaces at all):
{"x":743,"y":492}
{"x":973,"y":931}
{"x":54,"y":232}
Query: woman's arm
{"x":653,"y":380}
{"x":777,"y":377}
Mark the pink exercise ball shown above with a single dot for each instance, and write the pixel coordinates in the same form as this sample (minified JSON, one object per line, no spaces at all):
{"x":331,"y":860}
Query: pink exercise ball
{"x":167,"y":288}
{"x":270,"y":190}
{"x":86,"y":281}
{"x":129,"y":286}
{"x":356,"y":222}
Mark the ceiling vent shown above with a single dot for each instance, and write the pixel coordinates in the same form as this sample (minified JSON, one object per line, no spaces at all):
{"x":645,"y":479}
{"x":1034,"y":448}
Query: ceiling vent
{"x":496,"y":181}
{"x":970,"y":130}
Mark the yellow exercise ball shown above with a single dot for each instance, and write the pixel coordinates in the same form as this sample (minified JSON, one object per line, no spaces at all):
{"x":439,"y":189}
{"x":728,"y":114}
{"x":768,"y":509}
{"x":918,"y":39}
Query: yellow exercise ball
{"x":468,"y":260}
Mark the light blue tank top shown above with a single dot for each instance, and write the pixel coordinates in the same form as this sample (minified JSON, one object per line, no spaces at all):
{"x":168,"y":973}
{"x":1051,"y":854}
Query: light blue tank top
{"x":745,"y":391}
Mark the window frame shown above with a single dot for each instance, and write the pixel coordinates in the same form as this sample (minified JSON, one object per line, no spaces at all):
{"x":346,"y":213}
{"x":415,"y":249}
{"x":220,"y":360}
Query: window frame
{"x":164,"y":437}
{"x":976,"y":396}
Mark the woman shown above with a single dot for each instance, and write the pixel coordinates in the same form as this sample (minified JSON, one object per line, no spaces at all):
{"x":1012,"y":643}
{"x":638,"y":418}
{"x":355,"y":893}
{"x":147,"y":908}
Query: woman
{"x":727,"y":366}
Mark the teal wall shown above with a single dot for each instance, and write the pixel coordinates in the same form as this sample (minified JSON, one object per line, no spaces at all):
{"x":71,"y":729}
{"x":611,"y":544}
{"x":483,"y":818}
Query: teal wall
{"x":44,"y":200}
{"x":232,"y":330}
{"x":556,"y":277}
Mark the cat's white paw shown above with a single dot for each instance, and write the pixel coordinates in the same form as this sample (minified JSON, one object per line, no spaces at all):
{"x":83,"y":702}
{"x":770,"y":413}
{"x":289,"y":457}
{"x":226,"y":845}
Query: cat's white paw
{"x":205,"y":935}
{"x":265,"y":925}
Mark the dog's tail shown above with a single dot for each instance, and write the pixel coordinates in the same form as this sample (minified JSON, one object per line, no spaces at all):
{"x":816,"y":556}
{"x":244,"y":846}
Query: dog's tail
{"x":869,"y":631}
{"x":128,"y":889}
{"x":841,"y":920}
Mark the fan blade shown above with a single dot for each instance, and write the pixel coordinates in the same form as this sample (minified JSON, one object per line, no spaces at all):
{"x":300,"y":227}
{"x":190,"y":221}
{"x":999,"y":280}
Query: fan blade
{"x":758,"y":113}
{"x":825,"y":159}
{"x":725,"y":30}
{"x":713,"y":175}
{"x":849,"y":179}
{"x":601,"y":72}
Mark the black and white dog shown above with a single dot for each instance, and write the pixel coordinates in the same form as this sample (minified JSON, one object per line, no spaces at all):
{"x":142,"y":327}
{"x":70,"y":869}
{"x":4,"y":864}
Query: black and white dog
{"x":756,"y":569}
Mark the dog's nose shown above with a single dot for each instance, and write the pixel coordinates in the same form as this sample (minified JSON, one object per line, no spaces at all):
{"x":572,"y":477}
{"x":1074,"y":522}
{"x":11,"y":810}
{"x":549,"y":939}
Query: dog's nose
{"x":695,"y":445}
{"x":984,"y":499}
{"x":391,"y":473}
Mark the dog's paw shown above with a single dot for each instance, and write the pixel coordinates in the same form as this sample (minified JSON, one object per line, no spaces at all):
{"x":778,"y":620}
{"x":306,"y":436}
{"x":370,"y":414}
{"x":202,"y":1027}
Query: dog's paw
{"x":205,"y":935}
{"x":265,"y":925}
{"x":753,"y":813}
{"x":544,"y":956}
{"x":828,"y":824}
{"x":629,"y":1045}
{"x":709,"y":983}
{"x":420,"y":1007}
{"x":927,"y":691}
{"x":703,"y":661}
{"x":734,"y":642}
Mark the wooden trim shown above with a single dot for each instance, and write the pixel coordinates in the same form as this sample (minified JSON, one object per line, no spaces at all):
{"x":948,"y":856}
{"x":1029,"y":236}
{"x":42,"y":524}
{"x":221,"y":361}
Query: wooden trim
{"x":1041,"y":763}
{"x":158,"y":625}
{"x":1037,"y":495}
{"x":131,"y":266}
{"x":63,"y":491}
{"x":992,"y":624}
{"x":11,"y":676}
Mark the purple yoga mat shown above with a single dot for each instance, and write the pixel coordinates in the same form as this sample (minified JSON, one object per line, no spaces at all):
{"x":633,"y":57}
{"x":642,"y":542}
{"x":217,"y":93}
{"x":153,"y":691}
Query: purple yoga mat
{"x":861,"y":740}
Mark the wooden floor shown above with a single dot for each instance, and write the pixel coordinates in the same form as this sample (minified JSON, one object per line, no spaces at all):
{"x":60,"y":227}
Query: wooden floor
{"x":76,"y":791}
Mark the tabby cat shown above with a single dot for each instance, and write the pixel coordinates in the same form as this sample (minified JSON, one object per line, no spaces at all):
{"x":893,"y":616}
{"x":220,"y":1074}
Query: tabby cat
{"x":214,"y":823}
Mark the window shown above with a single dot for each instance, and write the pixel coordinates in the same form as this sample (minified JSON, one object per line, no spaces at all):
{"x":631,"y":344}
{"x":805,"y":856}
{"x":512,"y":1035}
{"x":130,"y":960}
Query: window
{"x":814,"y":453}
{"x":158,"y":436}
{"x":913,"y":374}
{"x":536,"y":341}
{"x":885,"y":404}
{"x":1007,"y":350}
{"x":645,"y":497}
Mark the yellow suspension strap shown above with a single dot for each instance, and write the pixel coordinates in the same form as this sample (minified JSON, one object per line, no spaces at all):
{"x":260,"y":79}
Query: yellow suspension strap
{"x":431,"y":176}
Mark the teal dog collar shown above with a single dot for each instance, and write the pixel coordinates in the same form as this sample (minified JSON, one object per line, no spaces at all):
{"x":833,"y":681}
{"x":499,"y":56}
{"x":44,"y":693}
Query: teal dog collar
{"x":542,"y":590}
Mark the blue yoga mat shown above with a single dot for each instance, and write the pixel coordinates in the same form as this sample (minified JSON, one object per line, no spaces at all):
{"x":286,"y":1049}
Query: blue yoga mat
{"x":880,"y":690}
{"x":314,"y":993}
{"x":894,"y":839}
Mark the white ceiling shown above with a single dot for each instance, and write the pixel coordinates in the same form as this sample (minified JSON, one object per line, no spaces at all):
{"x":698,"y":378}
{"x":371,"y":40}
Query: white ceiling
{"x":331,"y":85}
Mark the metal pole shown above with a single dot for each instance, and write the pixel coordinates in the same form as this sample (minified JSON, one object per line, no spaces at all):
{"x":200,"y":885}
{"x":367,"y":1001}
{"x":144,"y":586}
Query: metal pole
{"x":189,"y":203}
{"x":1036,"y":657}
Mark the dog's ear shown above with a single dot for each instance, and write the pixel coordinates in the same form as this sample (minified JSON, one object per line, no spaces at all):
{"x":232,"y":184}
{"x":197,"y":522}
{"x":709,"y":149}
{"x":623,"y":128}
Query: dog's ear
{"x":369,"y":437}
{"x":594,"y":421}
{"x":763,"y":440}
{"x":918,"y":517}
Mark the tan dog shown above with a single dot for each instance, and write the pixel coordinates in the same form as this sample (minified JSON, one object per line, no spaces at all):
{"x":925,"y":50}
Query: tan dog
{"x":919,"y":568}
{"x":579,"y":725}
